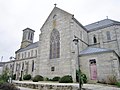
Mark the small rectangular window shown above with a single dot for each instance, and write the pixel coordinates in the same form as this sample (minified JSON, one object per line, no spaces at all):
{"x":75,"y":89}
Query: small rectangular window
{"x":52,"y":68}
{"x":25,"y":54}
{"x":28,"y":54}
{"x":18,"y":56}
{"x":35,"y":52}
{"x":32,"y":65}
{"x":108,"y":35}
{"x":31,"y":53}
{"x":22,"y":55}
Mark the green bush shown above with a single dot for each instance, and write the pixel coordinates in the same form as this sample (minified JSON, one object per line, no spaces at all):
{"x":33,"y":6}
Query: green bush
{"x":27,"y":77}
{"x":118,"y":84}
{"x":38,"y":78}
{"x":56,"y":79}
{"x":111,"y":79}
{"x":5,"y":76}
{"x":66,"y":79}
{"x":8,"y":86}
{"x":2,"y":81}
{"x":83,"y":77}
{"x":46,"y":79}
{"x":14,"y":77}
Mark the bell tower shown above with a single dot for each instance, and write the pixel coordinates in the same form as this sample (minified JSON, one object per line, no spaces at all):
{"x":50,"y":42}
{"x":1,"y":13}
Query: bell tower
{"x":27,"y":39}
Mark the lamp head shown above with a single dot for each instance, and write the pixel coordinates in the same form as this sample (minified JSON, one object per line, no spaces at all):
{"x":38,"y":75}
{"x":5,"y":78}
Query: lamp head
{"x":75,"y":41}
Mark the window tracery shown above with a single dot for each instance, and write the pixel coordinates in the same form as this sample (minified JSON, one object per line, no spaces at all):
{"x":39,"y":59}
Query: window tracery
{"x":54,"y":44}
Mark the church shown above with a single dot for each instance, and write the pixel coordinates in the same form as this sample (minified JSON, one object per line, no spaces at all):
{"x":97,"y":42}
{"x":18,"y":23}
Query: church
{"x":55,"y":54}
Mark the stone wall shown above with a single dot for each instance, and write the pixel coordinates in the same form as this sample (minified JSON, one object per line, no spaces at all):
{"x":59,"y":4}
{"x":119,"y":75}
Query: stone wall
{"x":107,"y":65}
{"x":103,"y":42}
{"x":46,"y":86}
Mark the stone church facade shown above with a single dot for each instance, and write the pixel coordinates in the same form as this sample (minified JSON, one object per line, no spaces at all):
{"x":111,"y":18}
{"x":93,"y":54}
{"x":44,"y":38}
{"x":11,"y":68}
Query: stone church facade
{"x":55,"y":54}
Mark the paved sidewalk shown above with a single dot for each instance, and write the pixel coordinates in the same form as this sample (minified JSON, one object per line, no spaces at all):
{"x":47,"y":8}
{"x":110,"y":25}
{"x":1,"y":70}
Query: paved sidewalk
{"x":23,"y":88}
{"x":86,"y":86}
{"x":100,"y":87}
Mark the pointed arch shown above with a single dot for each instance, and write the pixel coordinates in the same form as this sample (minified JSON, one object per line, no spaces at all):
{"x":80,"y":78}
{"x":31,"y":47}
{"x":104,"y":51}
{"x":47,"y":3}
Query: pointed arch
{"x":94,"y":39}
{"x":54,"y":44}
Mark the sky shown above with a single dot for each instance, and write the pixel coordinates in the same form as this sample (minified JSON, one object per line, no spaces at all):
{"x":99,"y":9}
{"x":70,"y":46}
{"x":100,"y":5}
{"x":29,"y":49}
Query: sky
{"x":16,"y":15}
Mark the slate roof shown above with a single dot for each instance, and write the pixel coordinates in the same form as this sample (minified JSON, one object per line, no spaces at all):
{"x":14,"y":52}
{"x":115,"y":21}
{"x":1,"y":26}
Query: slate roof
{"x":31,"y":46}
{"x":91,"y":50}
{"x":101,"y":24}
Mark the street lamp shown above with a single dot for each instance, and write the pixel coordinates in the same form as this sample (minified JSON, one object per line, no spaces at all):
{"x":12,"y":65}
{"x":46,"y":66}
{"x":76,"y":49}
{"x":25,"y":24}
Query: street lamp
{"x":12,"y":67}
{"x":76,"y":40}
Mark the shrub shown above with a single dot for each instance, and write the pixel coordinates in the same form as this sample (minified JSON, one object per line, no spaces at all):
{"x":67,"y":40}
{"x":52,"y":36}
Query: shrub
{"x":66,"y":79}
{"x":27,"y":77}
{"x":2,"y":81}
{"x":83,"y":77}
{"x":46,"y":79}
{"x":14,"y":77}
{"x":118,"y":84}
{"x":8,"y":86}
{"x":56,"y":79}
{"x":112,"y":79}
{"x":38,"y":78}
{"x":5,"y":76}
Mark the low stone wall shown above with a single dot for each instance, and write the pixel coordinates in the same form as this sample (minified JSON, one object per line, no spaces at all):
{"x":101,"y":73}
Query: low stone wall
{"x":46,"y":86}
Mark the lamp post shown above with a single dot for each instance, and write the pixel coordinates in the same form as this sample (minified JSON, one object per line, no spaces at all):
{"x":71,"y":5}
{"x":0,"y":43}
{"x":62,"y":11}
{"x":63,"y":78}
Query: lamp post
{"x":12,"y":67}
{"x":76,"y":40}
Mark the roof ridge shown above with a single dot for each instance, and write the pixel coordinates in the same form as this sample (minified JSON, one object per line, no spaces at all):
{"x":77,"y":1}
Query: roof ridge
{"x":96,"y":22}
{"x":101,"y":24}
{"x":92,"y":50}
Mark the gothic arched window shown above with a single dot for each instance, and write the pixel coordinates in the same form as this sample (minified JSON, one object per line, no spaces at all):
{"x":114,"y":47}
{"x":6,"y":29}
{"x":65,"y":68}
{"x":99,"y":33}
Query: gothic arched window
{"x":94,"y":39}
{"x":54,"y":44}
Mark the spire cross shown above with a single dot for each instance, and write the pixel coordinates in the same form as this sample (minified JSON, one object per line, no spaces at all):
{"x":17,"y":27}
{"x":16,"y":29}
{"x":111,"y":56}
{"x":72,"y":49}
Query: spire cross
{"x":107,"y":17}
{"x":55,"y":4}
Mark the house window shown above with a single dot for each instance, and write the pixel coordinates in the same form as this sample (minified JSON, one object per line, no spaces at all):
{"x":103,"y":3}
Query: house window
{"x":31,"y":37}
{"x":28,"y":54}
{"x":31,"y":53}
{"x":22,"y":55}
{"x":32,"y":65}
{"x":54,"y":16}
{"x":35,"y":52}
{"x":22,"y":65}
{"x":25,"y":54}
{"x":18,"y":56}
{"x":16,"y":67}
{"x":55,"y":44}
{"x":94,"y":39}
{"x":108,"y":35}
{"x":27,"y":66}
{"x":52,"y":68}
{"x":24,"y":35}
{"x":92,"y":61}
{"x":29,"y":34}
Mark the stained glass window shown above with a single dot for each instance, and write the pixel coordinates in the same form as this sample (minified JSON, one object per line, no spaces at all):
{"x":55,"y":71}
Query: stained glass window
{"x":54,"y":44}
